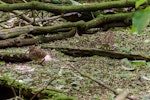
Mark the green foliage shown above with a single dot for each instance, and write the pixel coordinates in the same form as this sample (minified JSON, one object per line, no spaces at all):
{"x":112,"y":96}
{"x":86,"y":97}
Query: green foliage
{"x":64,"y":98}
{"x":148,"y":64}
{"x":124,"y":49}
{"x":140,"y":20}
{"x":74,"y":2}
{"x":127,"y":65}
{"x":2,"y":63}
{"x":139,"y":2}
{"x":138,"y":62}
{"x":128,"y":69}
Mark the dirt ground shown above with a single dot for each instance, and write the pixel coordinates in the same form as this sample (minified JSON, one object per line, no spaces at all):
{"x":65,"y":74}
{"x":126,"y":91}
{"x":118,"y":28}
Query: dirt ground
{"x":119,"y":74}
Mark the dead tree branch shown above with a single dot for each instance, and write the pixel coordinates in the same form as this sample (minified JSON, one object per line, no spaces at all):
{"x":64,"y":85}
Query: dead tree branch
{"x":14,"y":57}
{"x":35,"y":5}
{"x":81,"y":52}
{"x":22,"y":41}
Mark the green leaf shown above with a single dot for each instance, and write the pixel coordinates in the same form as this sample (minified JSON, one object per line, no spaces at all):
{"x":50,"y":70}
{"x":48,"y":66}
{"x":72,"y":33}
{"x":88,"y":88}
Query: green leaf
{"x":125,"y":76}
{"x":140,"y":20}
{"x":75,"y":2}
{"x":127,"y":65}
{"x":148,"y":63}
{"x":146,"y":78}
{"x":133,"y":27}
{"x":147,"y":41}
{"x":119,"y":90}
{"x":124,"y":49}
{"x":2,"y":62}
{"x":138,"y":62}
{"x":139,"y":2}
{"x":27,"y":80}
{"x":127,"y":68}
{"x":126,"y":61}
{"x":145,"y":97}
{"x":148,"y":1}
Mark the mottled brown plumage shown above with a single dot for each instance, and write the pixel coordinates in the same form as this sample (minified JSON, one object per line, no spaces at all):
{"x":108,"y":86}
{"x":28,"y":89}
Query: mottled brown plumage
{"x":37,"y":54}
{"x":108,"y":40}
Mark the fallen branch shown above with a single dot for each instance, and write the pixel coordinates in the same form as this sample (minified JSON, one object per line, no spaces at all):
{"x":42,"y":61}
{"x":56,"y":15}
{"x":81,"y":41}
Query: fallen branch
{"x":104,"y":19}
{"x":44,"y":88}
{"x":22,"y":41}
{"x":14,"y":57}
{"x":35,"y":5}
{"x":18,"y":13}
{"x":37,"y":30}
{"x":81,"y":52}
{"x":14,"y":32}
{"x":98,"y":82}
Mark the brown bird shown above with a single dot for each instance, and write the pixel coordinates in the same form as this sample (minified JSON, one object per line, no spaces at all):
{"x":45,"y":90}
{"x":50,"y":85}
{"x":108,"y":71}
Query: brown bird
{"x":38,"y":54}
{"x":108,"y":40}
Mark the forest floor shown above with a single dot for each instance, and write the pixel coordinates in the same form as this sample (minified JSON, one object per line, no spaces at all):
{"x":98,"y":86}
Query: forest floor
{"x":119,"y":74}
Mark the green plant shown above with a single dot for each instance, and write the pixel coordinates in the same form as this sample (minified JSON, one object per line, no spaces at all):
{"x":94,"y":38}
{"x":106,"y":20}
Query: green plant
{"x":141,"y":17}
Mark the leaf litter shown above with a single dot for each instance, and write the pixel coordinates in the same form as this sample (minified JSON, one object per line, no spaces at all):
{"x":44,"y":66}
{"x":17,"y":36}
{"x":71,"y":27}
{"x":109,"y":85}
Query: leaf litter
{"x":103,"y":69}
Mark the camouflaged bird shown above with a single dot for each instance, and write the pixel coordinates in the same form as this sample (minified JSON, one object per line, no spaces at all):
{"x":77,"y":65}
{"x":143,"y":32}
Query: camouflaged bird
{"x":38,"y":54}
{"x":108,"y":41}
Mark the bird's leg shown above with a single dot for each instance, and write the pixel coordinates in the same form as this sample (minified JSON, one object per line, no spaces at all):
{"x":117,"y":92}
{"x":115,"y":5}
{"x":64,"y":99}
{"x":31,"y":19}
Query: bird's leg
{"x":41,"y":61}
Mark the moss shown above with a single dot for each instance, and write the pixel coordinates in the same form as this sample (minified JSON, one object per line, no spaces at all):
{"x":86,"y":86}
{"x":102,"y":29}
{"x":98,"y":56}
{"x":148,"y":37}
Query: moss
{"x":12,"y":52}
{"x":64,"y":98}
{"x":26,"y":92}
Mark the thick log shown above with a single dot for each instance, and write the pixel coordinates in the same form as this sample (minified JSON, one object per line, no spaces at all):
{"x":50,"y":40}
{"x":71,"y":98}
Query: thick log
{"x":21,"y":41}
{"x":37,"y":30}
{"x":14,"y":32}
{"x":14,"y":57}
{"x":35,"y":5}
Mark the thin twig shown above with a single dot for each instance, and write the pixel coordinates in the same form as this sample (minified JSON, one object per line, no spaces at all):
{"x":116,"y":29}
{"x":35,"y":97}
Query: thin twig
{"x":12,"y":88}
{"x":100,"y":83}
{"x":14,"y":92}
{"x":50,"y":81}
